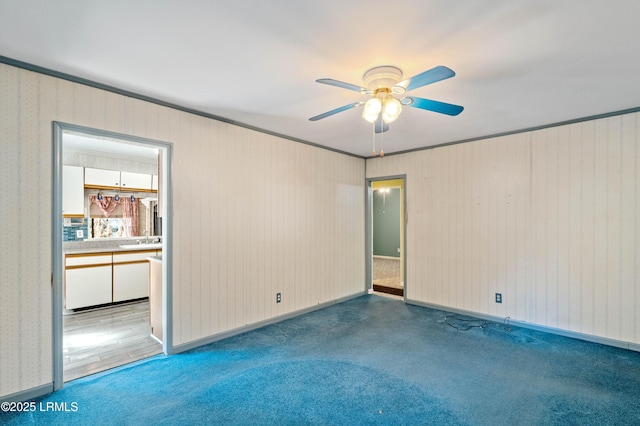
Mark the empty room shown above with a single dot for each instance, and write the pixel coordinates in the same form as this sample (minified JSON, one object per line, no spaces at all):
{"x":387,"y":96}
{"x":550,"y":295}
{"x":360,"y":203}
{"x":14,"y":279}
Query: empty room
{"x":280,"y":212}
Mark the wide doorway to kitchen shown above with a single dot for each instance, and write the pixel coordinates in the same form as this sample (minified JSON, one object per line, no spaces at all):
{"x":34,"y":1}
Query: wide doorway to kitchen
{"x":112,"y":250}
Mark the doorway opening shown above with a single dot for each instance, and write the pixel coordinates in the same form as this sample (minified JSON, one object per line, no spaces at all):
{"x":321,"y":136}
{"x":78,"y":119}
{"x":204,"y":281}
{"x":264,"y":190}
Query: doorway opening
{"x":386,"y":235}
{"x":111,"y":248}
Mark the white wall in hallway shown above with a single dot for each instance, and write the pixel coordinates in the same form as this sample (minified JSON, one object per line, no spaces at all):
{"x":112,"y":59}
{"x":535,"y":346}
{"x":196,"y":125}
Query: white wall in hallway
{"x":253,"y":215}
{"x":548,"y":218}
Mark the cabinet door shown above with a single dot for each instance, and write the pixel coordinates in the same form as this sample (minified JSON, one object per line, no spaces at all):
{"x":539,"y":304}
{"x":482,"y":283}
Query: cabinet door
{"x":101,"y":177}
{"x":130,"y":180}
{"x":130,"y":281}
{"x":131,"y":275}
{"x":72,"y":191}
{"x":87,"y":286}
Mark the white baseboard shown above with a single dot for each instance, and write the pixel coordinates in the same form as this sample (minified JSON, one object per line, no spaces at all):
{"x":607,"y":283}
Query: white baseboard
{"x":249,"y":327}
{"x":510,"y":321}
{"x":29,"y":394}
{"x":155,"y":338}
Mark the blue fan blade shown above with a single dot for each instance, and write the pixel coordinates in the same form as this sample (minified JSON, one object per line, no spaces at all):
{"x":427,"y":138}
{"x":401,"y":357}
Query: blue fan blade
{"x":431,"y":76}
{"x":335,"y":111}
{"x":435,"y":106}
{"x":381,"y":126}
{"x":332,"y":82}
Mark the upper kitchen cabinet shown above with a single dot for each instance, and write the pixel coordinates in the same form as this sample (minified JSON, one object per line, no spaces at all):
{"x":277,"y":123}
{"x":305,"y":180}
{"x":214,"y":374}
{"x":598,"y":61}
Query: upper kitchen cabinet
{"x":72,"y":191}
{"x":101,"y":178}
{"x":114,"y":179}
{"x":130,"y":180}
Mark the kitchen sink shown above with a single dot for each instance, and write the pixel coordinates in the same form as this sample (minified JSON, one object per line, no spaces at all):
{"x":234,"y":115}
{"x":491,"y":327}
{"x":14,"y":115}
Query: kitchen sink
{"x":143,"y":246}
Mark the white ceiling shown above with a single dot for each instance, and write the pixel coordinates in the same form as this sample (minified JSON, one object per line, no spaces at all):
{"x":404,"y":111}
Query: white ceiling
{"x":519,"y":64}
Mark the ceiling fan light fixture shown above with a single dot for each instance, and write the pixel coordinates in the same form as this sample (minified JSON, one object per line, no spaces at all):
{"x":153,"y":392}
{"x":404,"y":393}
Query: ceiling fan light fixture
{"x":371,"y":110}
{"x":385,"y":82}
{"x":391,"y":109}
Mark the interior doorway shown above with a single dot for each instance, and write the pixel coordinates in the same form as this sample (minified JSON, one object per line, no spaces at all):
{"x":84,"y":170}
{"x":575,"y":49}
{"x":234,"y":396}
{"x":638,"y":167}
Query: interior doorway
{"x":109,"y":325}
{"x":386,"y":235}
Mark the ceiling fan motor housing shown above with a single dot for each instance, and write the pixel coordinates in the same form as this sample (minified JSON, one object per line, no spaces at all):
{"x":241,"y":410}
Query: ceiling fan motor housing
{"x":385,"y":76}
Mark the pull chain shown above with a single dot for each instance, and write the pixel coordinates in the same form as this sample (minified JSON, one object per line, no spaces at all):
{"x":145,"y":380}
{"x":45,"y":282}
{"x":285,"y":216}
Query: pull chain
{"x":373,"y":139}
{"x":381,"y":141}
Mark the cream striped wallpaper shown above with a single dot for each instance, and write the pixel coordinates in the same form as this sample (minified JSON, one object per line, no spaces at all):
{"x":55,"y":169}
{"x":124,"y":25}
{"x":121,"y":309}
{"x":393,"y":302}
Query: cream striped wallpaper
{"x":253,"y":214}
{"x":548,"y":218}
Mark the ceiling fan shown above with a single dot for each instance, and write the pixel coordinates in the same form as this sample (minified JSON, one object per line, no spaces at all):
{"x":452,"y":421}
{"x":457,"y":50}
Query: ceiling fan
{"x":382,"y":83}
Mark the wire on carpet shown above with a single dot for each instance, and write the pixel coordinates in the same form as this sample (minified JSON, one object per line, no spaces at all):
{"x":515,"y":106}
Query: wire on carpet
{"x":478,"y":323}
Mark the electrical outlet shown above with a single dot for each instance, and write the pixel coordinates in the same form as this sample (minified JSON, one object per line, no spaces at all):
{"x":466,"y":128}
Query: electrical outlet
{"x":278,"y":298}
{"x":498,"y":297}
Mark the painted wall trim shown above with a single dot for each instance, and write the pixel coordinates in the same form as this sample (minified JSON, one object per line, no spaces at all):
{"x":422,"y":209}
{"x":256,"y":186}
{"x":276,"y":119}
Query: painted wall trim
{"x":557,"y":331}
{"x":167,"y":251}
{"x":368,"y":238}
{"x":250,"y":327}
{"x":56,"y":261}
{"x":86,"y":82}
{"x":57,"y":250}
{"x":29,"y":394}
{"x":515,"y":132}
{"x":74,"y":79}
{"x":368,"y":220}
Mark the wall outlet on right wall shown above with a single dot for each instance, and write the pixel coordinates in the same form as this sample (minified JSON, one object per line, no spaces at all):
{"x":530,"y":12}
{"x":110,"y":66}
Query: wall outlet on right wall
{"x":498,"y":297}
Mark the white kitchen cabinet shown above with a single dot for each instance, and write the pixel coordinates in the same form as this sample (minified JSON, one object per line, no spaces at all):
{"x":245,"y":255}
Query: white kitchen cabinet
{"x":101,"y":178}
{"x":72,"y":191}
{"x":130,"y":281}
{"x":101,"y":278}
{"x":131,"y":275}
{"x":130,"y":180}
{"x":88,"y":280}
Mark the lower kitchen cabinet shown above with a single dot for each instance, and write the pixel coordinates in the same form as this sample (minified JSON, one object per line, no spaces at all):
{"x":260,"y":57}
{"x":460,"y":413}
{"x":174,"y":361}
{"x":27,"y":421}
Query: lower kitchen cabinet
{"x":88,"y":280}
{"x":100,"y":278}
{"x":131,"y":275}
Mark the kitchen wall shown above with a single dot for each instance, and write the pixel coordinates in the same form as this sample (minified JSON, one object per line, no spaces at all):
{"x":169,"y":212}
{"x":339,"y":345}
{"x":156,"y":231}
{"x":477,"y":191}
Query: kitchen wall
{"x":253,"y":214}
{"x":74,"y":157}
{"x":548,"y":218}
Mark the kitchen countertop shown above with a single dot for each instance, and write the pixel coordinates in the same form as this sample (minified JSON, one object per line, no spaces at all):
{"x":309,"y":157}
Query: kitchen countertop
{"x":115,"y":249}
{"x":104,"y":246}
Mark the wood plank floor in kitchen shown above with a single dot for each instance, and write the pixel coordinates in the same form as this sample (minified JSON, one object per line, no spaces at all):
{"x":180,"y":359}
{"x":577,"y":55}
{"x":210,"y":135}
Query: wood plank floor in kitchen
{"x":105,"y":338}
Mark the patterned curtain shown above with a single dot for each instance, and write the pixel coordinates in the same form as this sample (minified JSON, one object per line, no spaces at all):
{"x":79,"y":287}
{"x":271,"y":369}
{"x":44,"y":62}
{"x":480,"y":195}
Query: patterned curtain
{"x":129,"y":211}
{"x":108,"y":204}
{"x":130,"y":215}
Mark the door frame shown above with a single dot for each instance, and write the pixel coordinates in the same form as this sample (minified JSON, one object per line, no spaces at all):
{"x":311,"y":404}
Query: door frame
{"x":369,"y":230}
{"x":59,"y":128}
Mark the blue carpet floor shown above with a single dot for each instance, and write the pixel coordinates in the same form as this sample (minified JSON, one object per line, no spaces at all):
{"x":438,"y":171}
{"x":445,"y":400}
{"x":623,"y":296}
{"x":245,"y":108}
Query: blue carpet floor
{"x":371,"y":360}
